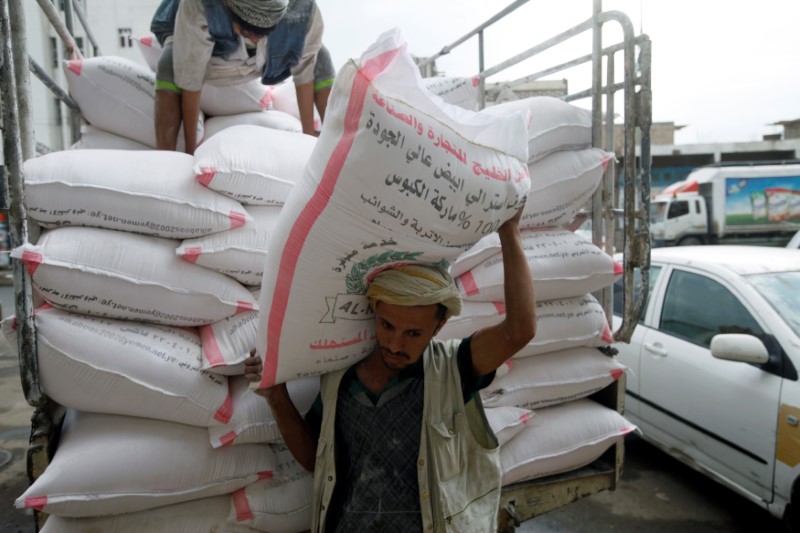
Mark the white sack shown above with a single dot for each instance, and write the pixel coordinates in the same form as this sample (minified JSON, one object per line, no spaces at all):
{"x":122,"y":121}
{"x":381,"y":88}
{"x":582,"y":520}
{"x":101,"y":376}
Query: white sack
{"x":507,"y":421}
{"x":273,"y":119}
{"x":280,"y":505}
{"x":111,"y":464}
{"x":125,"y":368}
{"x":152,"y":192}
{"x":116,"y":274}
{"x":284,"y":98}
{"x":554,"y":125}
{"x":150,"y":48}
{"x":561,"y":184}
{"x":396,"y":177}
{"x":96,"y":139}
{"x":560,"y":324}
{"x":252,"y":420}
{"x":222,"y":100}
{"x":228,"y":342}
{"x":239,"y":253}
{"x":254,"y":165}
{"x":117,"y":95}
{"x":206,"y":514}
{"x":561,"y":438}
{"x":553,"y":378}
{"x":463,"y":92}
{"x":563,"y":265}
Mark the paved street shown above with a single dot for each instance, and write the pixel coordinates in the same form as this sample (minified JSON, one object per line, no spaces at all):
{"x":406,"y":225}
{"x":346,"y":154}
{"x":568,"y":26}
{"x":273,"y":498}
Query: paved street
{"x":656,"y":494}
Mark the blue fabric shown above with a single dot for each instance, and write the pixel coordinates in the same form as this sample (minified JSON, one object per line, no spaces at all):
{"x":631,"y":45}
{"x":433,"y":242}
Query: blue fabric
{"x":220,"y":24}
{"x":285,"y":44}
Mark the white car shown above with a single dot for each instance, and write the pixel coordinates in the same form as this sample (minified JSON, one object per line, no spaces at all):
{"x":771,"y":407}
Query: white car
{"x":714,"y":362}
{"x":795,"y":242}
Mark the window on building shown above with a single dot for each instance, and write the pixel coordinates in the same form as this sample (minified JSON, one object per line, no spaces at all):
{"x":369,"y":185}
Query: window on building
{"x":125,"y":37}
{"x":54,"y":52}
{"x":57,"y":113}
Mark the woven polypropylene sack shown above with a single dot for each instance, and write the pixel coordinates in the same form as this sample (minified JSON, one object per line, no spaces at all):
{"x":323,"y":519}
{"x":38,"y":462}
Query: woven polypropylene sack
{"x":560,"y":439}
{"x":507,"y":421}
{"x":152,"y":192}
{"x":118,"y":95}
{"x":96,"y":139}
{"x":553,"y":378}
{"x":111,"y":464}
{"x":555,"y":125}
{"x":126,"y":276}
{"x":206,"y":514}
{"x":254,"y":165}
{"x":246,"y":97}
{"x":270,"y":118}
{"x":563,"y":265}
{"x":239,"y":253}
{"x":126,"y":368}
{"x":561,"y":184}
{"x":560,"y":324}
{"x":397,"y":177}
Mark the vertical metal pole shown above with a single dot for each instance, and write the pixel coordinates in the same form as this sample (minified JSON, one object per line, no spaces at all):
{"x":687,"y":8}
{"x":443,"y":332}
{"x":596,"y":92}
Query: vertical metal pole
{"x":482,"y":83}
{"x":18,"y":143}
{"x":74,"y":116}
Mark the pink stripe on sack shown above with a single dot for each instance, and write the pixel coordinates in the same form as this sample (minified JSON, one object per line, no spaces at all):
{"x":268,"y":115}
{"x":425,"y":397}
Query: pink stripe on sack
{"x":243,"y":511}
{"x":206,"y":176}
{"x":36,"y":502}
{"x":618,"y":269}
{"x":76,"y":66}
{"x":468,"y":282}
{"x":605,"y":163}
{"x":237,"y":219}
{"x":617,"y":372}
{"x":266,"y":100}
{"x":210,"y":346}
{"x":191,"y":254}
{"x":243,"y":307}
{"x":313,"y":209}
{"x":500,"y":307}
{"x":32,"y":261}
{"x":147,"y":41}
{"x":524,"y":418}
{"x":225,"y":412}
{"x":266,"y":474}
{"x":607,"y":336}
{"x":228,"y":438}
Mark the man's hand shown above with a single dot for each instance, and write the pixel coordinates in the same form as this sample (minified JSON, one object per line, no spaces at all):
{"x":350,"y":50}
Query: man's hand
{"x":253,"y":367}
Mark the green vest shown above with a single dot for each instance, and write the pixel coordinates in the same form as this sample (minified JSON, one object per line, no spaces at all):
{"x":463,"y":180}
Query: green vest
{"x":458,"y":464}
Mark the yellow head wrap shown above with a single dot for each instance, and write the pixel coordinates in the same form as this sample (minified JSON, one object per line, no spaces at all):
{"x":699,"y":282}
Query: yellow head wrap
{"x":415,"y":285}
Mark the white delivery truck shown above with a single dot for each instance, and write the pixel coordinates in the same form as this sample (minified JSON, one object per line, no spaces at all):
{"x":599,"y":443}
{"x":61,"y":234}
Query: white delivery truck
{"x":736,"y":203}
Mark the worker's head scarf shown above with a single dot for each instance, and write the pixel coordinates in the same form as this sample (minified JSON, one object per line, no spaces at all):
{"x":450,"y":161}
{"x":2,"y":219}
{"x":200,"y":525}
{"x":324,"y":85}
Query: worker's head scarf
{"x":415,"y":285}
{"x":259,"y":13}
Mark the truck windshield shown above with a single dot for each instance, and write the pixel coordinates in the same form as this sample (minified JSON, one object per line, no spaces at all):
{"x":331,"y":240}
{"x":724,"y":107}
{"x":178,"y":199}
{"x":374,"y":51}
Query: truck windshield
{"x":780,"y":289}
{"x":658,"y":211}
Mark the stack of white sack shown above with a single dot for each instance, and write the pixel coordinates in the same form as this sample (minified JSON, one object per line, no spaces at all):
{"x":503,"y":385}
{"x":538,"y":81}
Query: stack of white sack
{"x":397,"y":177}
{"x":229,"y":105}
{"x":118,"y":339}
{"x":538,"y":402}
{"x":117,"y":97}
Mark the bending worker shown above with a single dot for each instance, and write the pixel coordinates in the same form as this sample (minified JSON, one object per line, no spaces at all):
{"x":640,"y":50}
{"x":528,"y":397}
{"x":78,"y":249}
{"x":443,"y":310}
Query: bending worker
{"x":226,"y":42}
{"x":389,"y":438}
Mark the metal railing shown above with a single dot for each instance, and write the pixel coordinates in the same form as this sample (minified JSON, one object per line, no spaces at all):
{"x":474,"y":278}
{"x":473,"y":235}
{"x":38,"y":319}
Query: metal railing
{"x":19,"y":145}
{"x":634,"y":212}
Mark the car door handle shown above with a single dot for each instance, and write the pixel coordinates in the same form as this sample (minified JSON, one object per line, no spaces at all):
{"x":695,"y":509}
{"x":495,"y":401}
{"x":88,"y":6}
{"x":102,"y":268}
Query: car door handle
{"x":655,"y":349}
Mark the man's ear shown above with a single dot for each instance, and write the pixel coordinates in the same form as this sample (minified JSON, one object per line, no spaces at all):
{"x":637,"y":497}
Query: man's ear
{"x":439,"y":326}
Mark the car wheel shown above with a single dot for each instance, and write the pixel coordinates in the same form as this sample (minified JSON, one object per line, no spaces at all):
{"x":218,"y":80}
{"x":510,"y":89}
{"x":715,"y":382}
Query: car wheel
{"x":690,"y":241}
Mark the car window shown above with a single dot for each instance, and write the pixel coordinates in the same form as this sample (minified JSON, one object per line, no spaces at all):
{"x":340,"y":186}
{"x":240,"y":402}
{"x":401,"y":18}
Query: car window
{"x":637,"y":289}
{"x":677,"y":209}
{"x":696,"y":308}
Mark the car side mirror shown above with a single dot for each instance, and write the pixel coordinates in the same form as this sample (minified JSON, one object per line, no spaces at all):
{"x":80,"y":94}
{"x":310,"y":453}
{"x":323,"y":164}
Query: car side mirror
{"x":739,"y":347}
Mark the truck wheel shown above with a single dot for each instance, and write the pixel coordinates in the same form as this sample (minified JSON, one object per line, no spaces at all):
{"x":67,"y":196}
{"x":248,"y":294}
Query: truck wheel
{"x":690,"y":241}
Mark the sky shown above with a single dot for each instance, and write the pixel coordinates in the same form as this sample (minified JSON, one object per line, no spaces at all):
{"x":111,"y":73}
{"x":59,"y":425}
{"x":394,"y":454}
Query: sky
{"x":725,"y":70}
